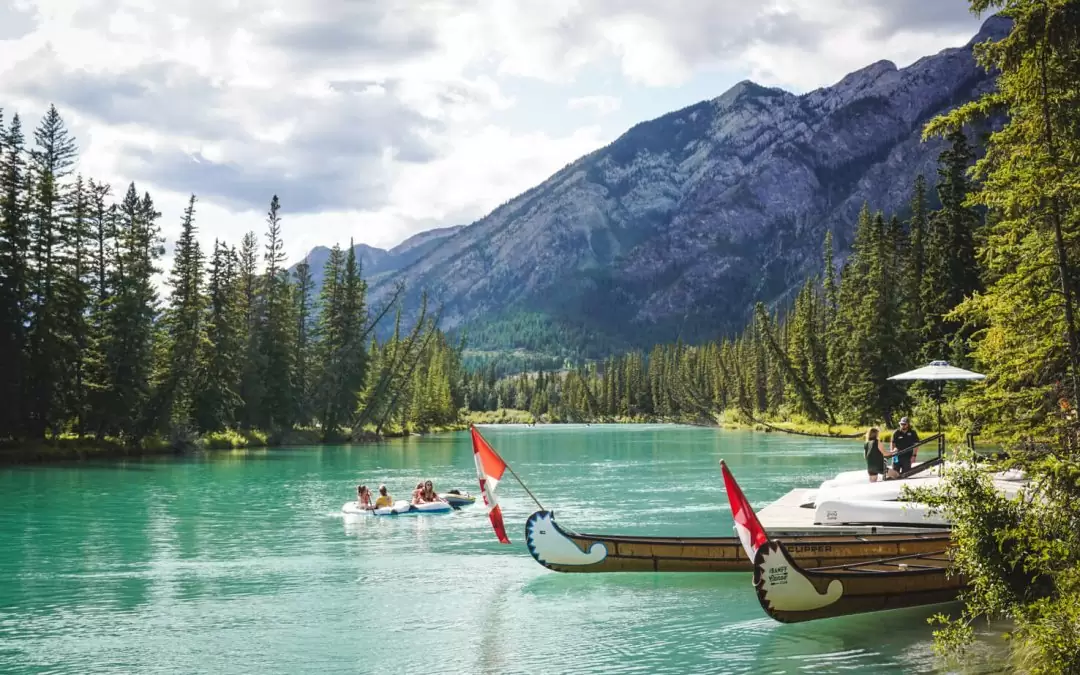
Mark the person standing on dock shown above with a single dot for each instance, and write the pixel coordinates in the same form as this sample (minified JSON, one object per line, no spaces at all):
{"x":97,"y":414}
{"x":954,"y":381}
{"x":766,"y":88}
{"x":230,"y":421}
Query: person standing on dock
{"x":875,"y":455}
{"x":902,"y":439}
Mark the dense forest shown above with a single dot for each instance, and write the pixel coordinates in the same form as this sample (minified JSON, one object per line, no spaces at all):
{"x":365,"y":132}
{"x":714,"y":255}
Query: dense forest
{"x":237,"y":349}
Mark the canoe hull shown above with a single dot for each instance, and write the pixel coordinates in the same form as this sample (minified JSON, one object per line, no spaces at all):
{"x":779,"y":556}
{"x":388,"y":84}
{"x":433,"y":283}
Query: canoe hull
{"x":791,"y":593}
{"x":563,"y":551}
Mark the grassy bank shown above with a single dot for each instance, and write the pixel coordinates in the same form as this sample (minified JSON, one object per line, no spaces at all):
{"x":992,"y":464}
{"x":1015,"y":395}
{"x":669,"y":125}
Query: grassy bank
{"x":72,"y":448}
{"x":731,"y":420}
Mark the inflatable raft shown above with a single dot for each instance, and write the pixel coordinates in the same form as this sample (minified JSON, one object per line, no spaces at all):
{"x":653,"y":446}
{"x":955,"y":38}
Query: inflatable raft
{"x":457,"y":499}
{"x":400,"y":508}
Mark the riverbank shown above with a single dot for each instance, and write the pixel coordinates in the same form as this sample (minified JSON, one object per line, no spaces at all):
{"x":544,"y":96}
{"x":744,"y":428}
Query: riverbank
{"x":69,"y":448}
{"x":730,"y":421}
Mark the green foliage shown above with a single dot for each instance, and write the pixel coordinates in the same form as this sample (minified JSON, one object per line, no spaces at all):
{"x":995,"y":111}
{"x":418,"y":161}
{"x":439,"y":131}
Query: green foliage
{"x":89,"y":350}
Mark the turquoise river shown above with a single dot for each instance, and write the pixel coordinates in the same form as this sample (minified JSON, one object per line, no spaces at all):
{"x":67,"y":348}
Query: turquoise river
{"x":241,"y":562}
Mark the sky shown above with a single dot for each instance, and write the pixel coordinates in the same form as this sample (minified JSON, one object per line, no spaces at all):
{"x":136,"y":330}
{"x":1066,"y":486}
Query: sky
{"x":373,"y":120}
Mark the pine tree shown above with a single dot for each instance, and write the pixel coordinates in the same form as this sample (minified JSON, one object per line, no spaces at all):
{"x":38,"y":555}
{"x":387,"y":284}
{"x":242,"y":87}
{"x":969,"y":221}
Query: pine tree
{"x":74,"y":302}
{"x":14,"y":279}
{"x":275,"y":328}
{"x":249,"y":307}
{"x":130,"y":330}
{"x":951,"y":269}
{"x":916,"y":270}
{"x":102,"y":256}
{"x":303,"y":295}
{"x":50,"y":164}
{"x":216,"y":401}
{"x":184,"y":321}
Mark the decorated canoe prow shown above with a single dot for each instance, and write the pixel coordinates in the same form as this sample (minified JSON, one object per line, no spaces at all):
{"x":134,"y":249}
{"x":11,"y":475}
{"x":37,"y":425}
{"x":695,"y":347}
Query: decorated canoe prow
{"x":564,"y":551}
{"x":399,"y":508}
{"x":790,"y":592}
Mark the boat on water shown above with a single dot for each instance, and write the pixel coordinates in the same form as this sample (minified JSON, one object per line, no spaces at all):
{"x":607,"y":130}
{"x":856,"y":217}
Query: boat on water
{"x":561,"y":550}
{"x":399,"y":508}
{"x":845,"y":520}
{"x":792,"y":591}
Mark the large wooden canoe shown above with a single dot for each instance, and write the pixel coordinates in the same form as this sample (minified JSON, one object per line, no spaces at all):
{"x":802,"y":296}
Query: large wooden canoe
{"x":791,"y":593}
{"x":564,"y":551}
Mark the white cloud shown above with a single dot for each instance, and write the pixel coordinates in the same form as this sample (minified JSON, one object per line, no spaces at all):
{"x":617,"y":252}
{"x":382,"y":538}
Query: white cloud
{"x":600,"y":105}
{"x":378,"y":118}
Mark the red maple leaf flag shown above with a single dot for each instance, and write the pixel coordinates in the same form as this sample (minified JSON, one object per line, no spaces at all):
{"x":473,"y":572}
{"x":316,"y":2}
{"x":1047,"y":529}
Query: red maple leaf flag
{"x":489,"y":470}
{"x":750,"y":531}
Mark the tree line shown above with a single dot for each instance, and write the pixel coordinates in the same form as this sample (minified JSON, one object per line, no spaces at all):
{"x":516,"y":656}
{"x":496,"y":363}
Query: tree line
{"x":89,"y":348}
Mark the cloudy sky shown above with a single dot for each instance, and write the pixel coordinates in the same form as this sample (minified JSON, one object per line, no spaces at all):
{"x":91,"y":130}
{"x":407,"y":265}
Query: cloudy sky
{"x":376,"y":119}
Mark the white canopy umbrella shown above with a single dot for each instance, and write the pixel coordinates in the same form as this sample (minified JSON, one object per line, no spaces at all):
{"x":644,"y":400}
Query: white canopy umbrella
{"x":938,"y":371}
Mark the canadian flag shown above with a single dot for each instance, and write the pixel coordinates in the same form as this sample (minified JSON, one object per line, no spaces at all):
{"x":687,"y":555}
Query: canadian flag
{"x":489,"y":470}
{"x":750,"y":531}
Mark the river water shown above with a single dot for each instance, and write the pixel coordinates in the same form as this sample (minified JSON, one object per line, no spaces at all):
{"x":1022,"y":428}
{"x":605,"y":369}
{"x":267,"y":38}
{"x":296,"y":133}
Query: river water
{"x":241,"y":562}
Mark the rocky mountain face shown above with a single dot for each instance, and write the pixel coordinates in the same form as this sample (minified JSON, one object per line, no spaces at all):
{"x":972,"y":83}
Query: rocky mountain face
{"x":377,"y":263}
{"x":679,"y":226}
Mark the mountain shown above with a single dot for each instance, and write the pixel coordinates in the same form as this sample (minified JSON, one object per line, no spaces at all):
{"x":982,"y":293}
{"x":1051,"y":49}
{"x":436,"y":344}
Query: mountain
{"x":377,"y":262}
{"x":676,"y":228}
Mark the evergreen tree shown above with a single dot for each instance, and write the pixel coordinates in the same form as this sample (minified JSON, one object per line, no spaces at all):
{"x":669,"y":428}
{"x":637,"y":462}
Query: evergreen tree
{"x":14,"y":279}
{"x":951,"y":269}
{"x":275,"y":327}
{"x":130,"y":330}
{"x":216,"y":398}
{"x":249,"y":307}
{"x":916,"y":270}
{"x":74,"y":302}
{"x":50,"y":164}
{"x":303,"y":295}
{"x":184,"y":321}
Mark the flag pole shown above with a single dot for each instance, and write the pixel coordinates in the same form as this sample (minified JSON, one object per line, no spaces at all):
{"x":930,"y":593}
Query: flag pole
{"x":526,"y":488}
{"x":511,"y":470}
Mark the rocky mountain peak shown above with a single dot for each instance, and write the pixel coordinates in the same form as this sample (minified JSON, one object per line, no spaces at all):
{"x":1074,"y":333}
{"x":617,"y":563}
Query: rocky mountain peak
{"x":677,"y":227}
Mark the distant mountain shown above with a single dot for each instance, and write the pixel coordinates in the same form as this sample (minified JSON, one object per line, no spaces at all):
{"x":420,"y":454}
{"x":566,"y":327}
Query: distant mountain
{"x":378,"y":262}
{"x":676,"y":228}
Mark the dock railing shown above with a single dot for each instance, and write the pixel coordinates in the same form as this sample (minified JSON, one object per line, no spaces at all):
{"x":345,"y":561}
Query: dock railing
{"x":936,"y":461}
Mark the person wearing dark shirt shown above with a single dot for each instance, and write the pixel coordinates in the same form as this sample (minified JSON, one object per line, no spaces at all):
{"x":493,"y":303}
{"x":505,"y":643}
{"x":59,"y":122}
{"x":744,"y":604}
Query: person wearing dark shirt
{"x":902,"y":439}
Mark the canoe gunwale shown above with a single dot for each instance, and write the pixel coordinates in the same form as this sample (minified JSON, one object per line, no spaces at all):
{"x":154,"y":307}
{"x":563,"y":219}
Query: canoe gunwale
{"x":564,"y":550}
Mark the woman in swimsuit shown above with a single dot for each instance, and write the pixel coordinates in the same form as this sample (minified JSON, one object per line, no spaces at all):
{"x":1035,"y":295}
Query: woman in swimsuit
{"x":417,"y":494}
{"x":363,"y":497}
{"x":428,"y":495}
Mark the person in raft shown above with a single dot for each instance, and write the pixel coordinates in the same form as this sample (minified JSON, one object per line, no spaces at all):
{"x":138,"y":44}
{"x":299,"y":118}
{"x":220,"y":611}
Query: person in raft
{"x":416,"y":493}
{"x":363,"y":497}
{"x":875,"y":454}
{"x":427,"y":494}
{"x":903,"y":438}
{"x":384,"y":499}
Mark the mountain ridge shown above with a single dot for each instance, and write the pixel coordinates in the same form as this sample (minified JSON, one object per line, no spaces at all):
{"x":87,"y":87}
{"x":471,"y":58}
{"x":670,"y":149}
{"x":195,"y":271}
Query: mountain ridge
{"x":678,"y":226}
